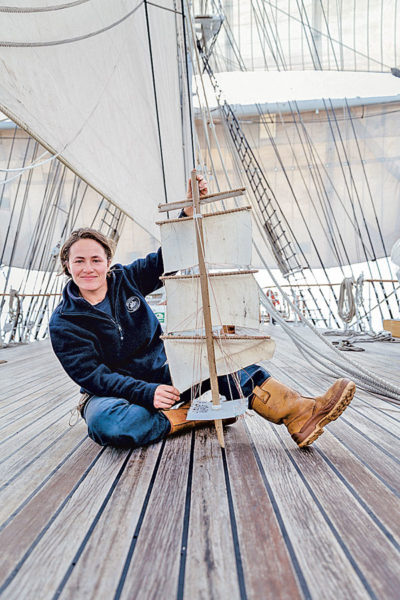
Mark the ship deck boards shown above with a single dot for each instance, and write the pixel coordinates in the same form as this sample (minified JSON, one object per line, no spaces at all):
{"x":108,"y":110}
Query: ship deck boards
{"x":183,"y":519}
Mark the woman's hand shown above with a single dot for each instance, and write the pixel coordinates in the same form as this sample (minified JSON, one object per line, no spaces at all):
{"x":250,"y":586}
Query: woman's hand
{"x":203,"y":187}
{"x":165,"y":396}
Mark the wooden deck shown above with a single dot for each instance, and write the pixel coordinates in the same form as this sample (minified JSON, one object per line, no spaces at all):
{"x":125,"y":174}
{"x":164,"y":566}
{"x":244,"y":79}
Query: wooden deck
{"x":182,"y":519}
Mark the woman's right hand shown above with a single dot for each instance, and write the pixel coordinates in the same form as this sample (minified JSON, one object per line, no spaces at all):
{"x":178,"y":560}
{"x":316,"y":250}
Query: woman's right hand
{"x":165,"y":396}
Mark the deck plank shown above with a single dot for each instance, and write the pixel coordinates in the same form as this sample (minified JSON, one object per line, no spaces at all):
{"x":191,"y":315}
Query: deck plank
{"x":156,"y":560}
{"x":376,"y":496}
{"x":27,"y":526}
{"x":267,"y":566}
{"x":377,"y":563}
{"x":55,"y":542}
{"x":23,"y":483}
{"x":265,"y":519}
{"x":211,"y":563}
{"x":109,"y":544}
{"x":309,"y":532}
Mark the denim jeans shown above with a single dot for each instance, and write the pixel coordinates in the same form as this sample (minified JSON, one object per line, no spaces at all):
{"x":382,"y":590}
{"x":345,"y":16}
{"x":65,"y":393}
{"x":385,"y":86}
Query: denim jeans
{"x":116,"y":422}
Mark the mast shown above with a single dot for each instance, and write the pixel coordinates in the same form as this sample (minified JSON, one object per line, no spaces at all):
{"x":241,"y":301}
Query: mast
{"x":222,"y":335}
{"x":206,"y":304}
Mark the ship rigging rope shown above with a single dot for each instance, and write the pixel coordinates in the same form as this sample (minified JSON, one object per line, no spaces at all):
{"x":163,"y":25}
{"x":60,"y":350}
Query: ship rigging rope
{"x":317,"y":31}
{"x":322,"y":184}
{"x":37,"y":9}
{"x":156,"y":101}
{"x":386,"y":253}
{"x":233,"y":45}
{"x":354,"y":187}
{"x":351,"y":175}
{"x":288,"y":226}
{"x":365,"y":378}
{"x":74,"y":39}
{"x":346,"y":304}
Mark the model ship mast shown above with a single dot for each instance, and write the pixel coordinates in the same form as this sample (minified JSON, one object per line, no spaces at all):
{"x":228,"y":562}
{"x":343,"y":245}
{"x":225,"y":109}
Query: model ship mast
{"x":206,"y":304}
{"x":199,"y":343}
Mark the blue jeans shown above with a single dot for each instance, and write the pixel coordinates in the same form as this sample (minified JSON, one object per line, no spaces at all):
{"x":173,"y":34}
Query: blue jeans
{"x":116,"y":422}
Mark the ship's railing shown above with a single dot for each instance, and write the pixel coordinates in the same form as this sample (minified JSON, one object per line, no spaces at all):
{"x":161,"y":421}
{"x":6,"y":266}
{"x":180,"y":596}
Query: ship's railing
{"x":367,"y":314}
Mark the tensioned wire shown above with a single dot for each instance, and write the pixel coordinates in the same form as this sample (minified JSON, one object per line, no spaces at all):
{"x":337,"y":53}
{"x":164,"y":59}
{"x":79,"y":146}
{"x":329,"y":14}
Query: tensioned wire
{"x":369,"y":267}
{"x":352,"y":201}
{"x":281,"y":214}
{"x":316,"y":52}
{"x":38,"y":9}
{"x":371,"y":199}
{"x":73,"y":39}
{"x":307,"y":30}
{"x":365,"y":224}
{"x":329,"y":37}
{"x":359,"y":372}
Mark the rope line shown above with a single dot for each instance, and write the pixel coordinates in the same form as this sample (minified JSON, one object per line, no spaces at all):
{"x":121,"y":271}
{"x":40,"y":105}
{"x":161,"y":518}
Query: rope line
{"x":74,"y":39}
{"x":40,"y":9}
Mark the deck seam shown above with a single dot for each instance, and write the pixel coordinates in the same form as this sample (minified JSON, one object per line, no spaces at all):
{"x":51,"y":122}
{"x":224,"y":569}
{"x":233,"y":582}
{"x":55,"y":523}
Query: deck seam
{"x":38,"y":419}
{"x":186,"y":519}
{"x":132,"y":546}
{"x":38,"y":406}
{"x":295,"y":564}
{"x":375,"y":423}
{"x":371,"y":441}
{"x":41,"y":485}
{"x":365,"y":464}
{"x":34,"y":459}
{"x":40,"y":535}
{"x":328,"y":521}
{"x":91,"y":528}
{"x":358,"y":498}
{"x":33,"y":438}
{"x":235,"y":535}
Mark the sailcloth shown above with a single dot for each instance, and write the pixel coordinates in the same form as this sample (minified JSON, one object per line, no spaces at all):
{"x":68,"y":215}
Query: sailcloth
{"x":226,"y":242}
{"x":188,"y":362}
{"x":102,"y":84}
{"x":233,"y":300}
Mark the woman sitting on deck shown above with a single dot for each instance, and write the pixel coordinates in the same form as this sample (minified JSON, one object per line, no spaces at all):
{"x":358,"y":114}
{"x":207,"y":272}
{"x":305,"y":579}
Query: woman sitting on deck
{"x":107,"y":339}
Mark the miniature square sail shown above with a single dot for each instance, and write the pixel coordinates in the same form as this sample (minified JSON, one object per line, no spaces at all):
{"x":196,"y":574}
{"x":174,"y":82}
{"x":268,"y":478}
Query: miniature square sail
{"x":213,"y":317}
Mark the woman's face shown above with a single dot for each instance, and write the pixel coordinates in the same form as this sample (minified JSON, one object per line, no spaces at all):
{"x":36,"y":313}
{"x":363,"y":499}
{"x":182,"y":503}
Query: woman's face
{"x":88,"y":266}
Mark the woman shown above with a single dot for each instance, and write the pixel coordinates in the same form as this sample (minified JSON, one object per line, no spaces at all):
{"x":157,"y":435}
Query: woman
{"x":107,"y":338}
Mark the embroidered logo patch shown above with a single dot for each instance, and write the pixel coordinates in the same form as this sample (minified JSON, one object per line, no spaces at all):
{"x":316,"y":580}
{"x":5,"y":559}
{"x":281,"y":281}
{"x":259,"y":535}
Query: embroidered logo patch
{"x":133,"y":303}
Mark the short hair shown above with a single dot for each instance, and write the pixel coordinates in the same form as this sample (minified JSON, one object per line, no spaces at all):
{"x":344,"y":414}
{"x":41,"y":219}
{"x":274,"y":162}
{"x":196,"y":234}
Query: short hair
{"x":85,"y":233}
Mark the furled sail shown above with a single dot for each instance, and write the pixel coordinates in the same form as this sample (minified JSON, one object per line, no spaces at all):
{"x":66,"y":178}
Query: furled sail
{"x":102,"y":85}
{"x":229,"y":245}
{"x":233,"y":298}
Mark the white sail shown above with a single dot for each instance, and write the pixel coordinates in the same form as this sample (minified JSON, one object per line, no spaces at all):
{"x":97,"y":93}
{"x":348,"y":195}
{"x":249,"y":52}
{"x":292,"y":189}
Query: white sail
{"x":188,"y":362}
{"x":227,"y":240}
{"x":335,"y":176}
{"x":233,"y":300}
{"x":81,"y":80}
{"x":48,"y":199}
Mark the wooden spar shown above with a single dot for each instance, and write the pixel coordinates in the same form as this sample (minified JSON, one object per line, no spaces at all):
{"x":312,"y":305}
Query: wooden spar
{"x":203,"y":200}
{"x":206,"y":304}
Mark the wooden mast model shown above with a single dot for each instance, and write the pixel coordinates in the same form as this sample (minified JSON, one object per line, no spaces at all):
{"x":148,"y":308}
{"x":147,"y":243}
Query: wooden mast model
{"x":196,"y":349}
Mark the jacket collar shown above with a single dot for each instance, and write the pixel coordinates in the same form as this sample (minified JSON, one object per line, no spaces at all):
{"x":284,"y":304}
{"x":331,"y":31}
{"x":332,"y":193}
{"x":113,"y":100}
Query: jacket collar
{"x":74,"y":303}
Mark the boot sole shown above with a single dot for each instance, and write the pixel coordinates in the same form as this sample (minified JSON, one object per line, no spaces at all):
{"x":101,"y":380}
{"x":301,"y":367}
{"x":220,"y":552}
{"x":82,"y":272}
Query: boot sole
{"x":344,"y":400}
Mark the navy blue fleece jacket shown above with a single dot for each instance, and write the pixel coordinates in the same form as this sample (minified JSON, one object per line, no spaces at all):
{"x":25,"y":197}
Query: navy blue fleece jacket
{"x":121,"y":356}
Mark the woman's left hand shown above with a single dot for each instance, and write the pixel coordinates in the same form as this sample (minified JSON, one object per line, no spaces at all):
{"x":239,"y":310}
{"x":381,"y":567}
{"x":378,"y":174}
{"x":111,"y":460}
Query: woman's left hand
{"x":203,"y":187}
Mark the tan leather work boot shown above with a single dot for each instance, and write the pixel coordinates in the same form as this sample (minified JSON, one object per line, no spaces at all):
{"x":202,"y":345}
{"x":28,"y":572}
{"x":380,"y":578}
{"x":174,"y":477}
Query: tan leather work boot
{"x":304,"y":417}
{"x":177,"y":419}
